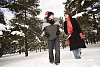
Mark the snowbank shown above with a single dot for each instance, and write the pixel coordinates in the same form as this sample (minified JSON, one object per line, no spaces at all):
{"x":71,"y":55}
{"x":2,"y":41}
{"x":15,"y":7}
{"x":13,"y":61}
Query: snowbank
{"x":90,"y":58}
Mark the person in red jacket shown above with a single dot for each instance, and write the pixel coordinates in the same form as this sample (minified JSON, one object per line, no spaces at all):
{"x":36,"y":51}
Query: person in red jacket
{"x":75,"y":35}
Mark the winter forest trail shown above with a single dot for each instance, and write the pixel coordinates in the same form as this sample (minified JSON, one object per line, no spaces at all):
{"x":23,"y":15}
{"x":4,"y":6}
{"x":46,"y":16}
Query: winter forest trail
{"x":90,"y":57}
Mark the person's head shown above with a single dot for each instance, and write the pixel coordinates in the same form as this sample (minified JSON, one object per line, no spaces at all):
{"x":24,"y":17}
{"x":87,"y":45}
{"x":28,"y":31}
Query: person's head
{"x":49,"y":15}
{"x":67,"y":14}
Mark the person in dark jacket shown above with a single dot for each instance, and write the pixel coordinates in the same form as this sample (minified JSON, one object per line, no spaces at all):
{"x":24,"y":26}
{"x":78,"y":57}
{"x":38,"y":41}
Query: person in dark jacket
{"x":75,"y":35}
{"x":51,"y":30}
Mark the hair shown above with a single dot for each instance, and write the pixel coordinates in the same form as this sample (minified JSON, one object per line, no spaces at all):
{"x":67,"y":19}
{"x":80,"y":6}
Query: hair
{"x":49,"y":14}
{"x":69,"y":13}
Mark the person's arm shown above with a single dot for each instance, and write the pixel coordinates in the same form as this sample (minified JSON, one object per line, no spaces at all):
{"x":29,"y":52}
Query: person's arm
{"x":43,"y":28}
{"x":78,"y":26}
{"x":79,"y":30}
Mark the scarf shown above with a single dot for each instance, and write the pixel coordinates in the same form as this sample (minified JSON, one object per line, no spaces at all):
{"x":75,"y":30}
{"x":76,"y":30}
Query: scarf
{"x":50,"y":21}
{"x":69,"y":28}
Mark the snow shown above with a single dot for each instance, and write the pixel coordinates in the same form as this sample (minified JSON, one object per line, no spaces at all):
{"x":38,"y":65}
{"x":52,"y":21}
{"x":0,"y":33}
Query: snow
{"x":38,"y":40}
{"x":7,"y":13}
{"x":90,"y":58}
{"x":72,"y":0}
{"x":94,"y":10}
{"x":15,"y":41}
{"x":25,"y":26}
{"x":22,"y":25}
{"x":89,"y":8}
{"x":2,"y":27}
{"x":5,"y":27}
{"x":1,"y":33}
{"x":78,"y":15}
{"x":8,"y":27}
{"x":95,"y":31}
{"x":83,"y":2}
{"x":18,"y":33}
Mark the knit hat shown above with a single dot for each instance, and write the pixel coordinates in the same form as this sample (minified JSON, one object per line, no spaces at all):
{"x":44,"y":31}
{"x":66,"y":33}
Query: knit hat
{"x":48,"y":14}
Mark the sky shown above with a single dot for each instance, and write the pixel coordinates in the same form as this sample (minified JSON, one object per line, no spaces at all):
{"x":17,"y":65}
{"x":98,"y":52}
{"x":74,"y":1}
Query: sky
{"x":7,"y":13}
{"x":55,"y":6}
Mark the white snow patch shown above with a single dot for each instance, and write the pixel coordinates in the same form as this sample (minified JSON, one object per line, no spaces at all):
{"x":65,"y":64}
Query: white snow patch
{"x":38,"y":39}
{"x":83,"y":2}
{"x":15,"y":41}
{"x":78,"y":15}
{"x":94,"y":10}
{"x":2,"y":27}
{"x":90,"y":58}
{"x":1,"y":33}
{"x":23,"y":25}
{"x":18,"y":33}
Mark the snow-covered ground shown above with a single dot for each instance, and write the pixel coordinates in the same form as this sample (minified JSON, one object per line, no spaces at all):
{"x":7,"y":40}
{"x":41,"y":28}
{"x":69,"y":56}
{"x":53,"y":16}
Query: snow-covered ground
{"x":90,"y":58}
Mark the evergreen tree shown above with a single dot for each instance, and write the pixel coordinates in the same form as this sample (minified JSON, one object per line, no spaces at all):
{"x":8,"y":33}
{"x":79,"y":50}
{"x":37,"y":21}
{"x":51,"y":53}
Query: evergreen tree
{"x":2,"y":18}
{"x":91,"y":9}
{"x":25,"y":14}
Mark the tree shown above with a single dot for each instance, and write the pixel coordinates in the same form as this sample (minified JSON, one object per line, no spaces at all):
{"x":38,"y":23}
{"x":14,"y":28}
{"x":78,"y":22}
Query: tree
{"x":24,"y":11}
{"x":91,"y":9}
{"x":2,"y":18}
{"x":77,"y":6}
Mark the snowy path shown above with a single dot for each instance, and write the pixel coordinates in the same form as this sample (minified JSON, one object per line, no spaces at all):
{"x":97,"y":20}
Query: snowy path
{"x":90,"y":58}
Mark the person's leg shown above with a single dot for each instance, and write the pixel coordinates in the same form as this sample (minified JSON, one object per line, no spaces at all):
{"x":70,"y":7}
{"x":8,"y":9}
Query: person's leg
{"x":80,"y":51}
{"x":77,"y":53}
{"x":57,"y":51}
{"x":50,"y":47}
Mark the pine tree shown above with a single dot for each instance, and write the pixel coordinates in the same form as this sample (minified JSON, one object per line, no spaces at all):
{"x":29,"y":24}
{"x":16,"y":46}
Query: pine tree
{"x":25,"y":14}
{"x":2,"y":18}
{"x":91,"y":9}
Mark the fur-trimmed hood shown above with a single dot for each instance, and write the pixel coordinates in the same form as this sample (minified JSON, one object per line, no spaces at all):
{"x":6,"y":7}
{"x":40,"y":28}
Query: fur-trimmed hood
{"x":47,"y":24}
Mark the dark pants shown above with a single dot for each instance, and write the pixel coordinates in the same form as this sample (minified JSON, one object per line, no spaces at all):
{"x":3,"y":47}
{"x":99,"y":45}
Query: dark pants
{"x":54,"y":44}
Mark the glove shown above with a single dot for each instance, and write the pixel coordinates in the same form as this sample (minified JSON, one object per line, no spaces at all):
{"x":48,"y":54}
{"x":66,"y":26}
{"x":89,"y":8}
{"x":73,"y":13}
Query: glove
{"x":47,"y":34}
{"x":68,"y":36}
{"x":82,"y":35}
{"x":68,"y":41}
{"x":58,"y":32}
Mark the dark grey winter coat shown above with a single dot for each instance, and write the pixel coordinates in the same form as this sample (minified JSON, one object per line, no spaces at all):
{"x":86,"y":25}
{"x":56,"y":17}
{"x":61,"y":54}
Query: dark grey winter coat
{"x":51,"y":30}
{"x":75,"y":39}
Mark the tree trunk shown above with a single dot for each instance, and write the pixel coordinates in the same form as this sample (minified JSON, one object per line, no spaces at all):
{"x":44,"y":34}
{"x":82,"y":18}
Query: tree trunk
{"x":26,"y":46}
